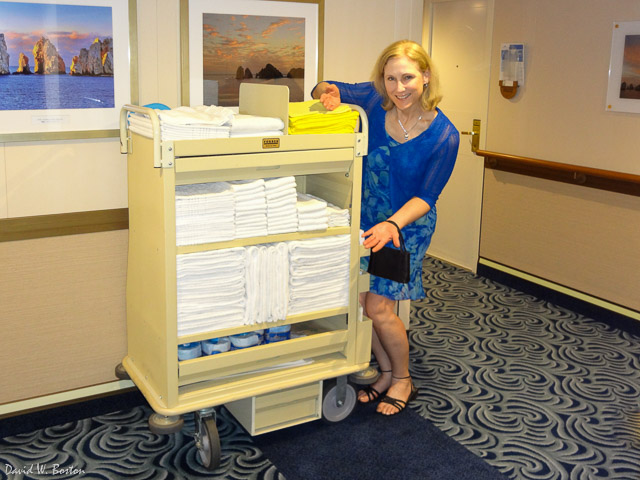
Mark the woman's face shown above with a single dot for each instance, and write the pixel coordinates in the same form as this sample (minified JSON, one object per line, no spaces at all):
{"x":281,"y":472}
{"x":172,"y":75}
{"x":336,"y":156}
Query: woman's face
{"x":404,"y":81}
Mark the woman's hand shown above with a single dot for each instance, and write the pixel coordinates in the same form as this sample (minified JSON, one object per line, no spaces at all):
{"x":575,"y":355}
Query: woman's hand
{"x":379,"y":235}
{"x":330,"y":98}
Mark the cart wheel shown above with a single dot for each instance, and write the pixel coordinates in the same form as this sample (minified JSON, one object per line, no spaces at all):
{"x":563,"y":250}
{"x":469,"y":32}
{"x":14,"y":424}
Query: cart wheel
{"x":121,"y":373}
{"x":163,"y":425}
{"x":332,"y":410}
{"x":208,"y":443}
{"x":365,"y":377}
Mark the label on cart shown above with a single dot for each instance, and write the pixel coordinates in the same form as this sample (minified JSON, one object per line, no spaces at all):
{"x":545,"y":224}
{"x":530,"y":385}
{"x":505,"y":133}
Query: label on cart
{"x":271,"y":142}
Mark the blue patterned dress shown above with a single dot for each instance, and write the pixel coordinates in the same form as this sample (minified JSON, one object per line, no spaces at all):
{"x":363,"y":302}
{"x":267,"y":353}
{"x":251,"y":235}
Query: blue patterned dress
{"x":393,"y":173}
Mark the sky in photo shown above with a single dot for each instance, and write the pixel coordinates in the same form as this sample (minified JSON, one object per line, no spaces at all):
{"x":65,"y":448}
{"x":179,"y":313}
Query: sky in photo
{"x":252,"y":41}
{"x":68,"y":27}
{"x":631,"y":61}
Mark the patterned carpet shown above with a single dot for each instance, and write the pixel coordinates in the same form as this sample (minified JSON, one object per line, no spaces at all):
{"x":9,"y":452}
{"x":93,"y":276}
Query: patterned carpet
{"x":536,"y":390}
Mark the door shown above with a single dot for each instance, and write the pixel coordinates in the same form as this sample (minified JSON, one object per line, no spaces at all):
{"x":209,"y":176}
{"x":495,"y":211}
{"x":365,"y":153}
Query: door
{"x":457,"y":35}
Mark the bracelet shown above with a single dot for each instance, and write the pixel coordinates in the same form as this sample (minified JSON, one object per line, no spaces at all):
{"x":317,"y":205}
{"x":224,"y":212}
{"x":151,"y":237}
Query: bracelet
{"x":393,"y":223}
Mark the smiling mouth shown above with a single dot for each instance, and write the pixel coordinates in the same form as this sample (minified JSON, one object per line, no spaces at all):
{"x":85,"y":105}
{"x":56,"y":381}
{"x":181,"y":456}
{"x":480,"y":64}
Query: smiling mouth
{"x":403,"y":97}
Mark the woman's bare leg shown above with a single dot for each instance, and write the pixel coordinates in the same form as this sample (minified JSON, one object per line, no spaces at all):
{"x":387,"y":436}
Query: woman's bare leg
{"x":393,"y":348}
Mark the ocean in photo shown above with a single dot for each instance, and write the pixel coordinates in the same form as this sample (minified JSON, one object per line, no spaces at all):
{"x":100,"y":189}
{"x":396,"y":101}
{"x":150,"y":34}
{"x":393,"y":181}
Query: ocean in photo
{"x":47,"y":92}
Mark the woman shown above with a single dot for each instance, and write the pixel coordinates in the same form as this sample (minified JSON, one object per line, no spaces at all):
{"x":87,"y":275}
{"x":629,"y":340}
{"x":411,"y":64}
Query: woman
{"x":412,"y":150}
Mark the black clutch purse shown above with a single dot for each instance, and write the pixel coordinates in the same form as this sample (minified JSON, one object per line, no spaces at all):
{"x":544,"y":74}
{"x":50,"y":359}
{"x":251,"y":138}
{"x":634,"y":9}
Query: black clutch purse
{"x":391,"y":263}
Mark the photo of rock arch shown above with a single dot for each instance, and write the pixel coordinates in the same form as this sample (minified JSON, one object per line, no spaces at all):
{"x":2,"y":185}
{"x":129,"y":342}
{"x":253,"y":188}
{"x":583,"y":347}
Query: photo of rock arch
{"x":55,"y":56}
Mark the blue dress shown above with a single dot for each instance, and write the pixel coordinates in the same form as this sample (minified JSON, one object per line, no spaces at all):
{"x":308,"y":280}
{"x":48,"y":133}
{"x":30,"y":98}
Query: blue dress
{"x":393,"y":173}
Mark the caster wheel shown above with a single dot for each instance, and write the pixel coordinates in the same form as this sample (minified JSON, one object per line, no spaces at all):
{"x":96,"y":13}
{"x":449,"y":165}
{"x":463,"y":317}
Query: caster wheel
{"x":163,"y":425}
{"x":332,"y":410}
{"x":121,"y":373}
{"x":208,"y":443}
{"x":365,"y":377}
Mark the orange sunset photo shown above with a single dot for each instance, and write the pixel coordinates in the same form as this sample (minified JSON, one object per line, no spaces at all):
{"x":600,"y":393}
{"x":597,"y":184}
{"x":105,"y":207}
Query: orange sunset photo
{"x":251,"y":48}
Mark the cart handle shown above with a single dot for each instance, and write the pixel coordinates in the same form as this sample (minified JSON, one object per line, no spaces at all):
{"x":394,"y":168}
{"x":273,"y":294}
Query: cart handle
{"x":155,"y":128}
{"x":362,"y":138}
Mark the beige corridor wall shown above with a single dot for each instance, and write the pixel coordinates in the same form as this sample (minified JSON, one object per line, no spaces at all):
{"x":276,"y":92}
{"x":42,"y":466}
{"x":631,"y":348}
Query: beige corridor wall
{"x":63,"y":297}
{"x":575,"y":236}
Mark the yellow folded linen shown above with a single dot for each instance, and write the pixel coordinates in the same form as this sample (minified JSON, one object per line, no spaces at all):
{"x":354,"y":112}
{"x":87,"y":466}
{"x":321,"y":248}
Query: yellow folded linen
{"x":314,"y":107}
{"x":311,"y":117}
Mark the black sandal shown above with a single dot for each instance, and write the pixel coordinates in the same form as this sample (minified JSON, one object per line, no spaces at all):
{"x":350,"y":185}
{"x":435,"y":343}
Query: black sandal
{"x":400,"y":404}
{"x":371,"y":393}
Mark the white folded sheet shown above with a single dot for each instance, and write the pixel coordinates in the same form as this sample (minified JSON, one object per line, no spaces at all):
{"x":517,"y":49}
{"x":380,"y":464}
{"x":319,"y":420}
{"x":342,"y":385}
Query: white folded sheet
{"x":242,"y":124}
{"x":210,"y":289}
{"x":318,"y":273}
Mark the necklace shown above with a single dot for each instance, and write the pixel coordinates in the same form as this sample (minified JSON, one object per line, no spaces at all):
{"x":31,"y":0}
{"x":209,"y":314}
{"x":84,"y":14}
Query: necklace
{"x":406,"y":132}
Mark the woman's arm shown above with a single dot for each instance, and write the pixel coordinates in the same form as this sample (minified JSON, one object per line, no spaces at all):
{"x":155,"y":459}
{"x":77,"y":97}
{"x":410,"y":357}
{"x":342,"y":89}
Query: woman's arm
{"x":380,"y":234}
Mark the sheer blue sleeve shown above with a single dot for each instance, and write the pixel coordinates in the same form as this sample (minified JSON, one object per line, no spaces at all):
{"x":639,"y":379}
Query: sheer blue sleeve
{"x":422,"y":167}
{"x":440,"y":165}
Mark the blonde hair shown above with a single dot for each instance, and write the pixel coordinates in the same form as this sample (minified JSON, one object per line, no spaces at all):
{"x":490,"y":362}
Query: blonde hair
{"x":431,"y":96}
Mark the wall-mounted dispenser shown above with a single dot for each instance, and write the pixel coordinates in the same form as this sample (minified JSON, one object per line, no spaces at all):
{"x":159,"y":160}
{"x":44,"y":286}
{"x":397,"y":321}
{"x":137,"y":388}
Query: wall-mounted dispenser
{"x":511,"y":68}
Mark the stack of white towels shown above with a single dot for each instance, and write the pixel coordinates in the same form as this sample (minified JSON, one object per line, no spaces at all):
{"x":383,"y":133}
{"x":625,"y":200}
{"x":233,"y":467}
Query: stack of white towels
{"x":204,"y":213}
{"x":267,"y":280}
{"x":282,"y":215}
{"x":205,"y":121}
{"x":318,"y":273}
{"x":222,"y":211}
{"x":312,"y":213}
{"x":211,"y":290}
{"x":338,"y":217}
{"x":250,"y":208}
{"x":255,"y":126}
{"x":261,"y":283}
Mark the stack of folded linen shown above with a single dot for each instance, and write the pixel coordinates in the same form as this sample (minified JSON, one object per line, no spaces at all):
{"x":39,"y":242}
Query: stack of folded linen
{"x":312,"y":213}
{"x":184,"y":123}
{"x":204,"y":213}
{"x":210,"y":290}
{"x":277,"y":288}
{"x":255,"y":126}
{"x":250,"y":208}
{"x":338,"y":217}
{"x":256,"y":277}
{"x":312,"y":117}
{"x":267,"y":283}
{"x":282,"y":214}
{"x":318,"y":273}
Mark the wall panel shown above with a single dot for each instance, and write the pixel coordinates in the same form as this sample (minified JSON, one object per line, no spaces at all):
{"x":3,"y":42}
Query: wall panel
{"x":582,"y":238}
{"x":63,"y":313}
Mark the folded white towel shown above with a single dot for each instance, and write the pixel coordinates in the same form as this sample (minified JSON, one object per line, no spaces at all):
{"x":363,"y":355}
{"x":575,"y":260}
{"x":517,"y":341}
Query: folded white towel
{"x":241,"y":123}
{"x":272,"y":183}
{"x":199,"y":115}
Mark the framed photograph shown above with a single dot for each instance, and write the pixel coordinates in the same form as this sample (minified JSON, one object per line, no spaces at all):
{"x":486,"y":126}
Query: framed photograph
{"x":66,"y":68}
{"x":623,"y":92}
{"x":224,"y":44}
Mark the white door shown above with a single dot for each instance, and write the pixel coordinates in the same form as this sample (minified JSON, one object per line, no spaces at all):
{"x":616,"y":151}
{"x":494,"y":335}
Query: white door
{"x":457,"y":35}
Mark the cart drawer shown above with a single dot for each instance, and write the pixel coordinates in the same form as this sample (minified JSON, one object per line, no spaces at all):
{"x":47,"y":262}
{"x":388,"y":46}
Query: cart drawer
{"x":281,"y":409}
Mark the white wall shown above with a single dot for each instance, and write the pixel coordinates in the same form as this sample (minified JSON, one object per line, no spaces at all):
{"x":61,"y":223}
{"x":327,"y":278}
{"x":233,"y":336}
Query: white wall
{"x":356,"y":31}
{"x":560,"y":114}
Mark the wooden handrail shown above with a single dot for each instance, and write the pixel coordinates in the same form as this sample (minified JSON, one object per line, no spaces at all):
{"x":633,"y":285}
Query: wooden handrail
{"x":56,"y":225}
{"x":562,"y":172}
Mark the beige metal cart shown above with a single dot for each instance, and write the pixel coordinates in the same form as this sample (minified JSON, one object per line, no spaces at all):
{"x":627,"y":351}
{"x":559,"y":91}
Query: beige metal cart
{"x":251,"y":383}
